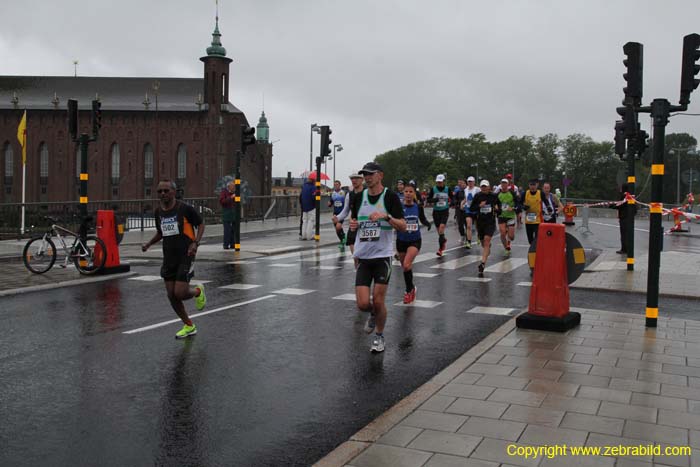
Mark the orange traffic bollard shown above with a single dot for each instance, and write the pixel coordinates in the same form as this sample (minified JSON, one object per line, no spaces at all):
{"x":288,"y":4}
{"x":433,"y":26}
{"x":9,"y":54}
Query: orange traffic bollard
{"x":549,"y":296}
{"x":569,"y":213}
{"x":106,"y":231}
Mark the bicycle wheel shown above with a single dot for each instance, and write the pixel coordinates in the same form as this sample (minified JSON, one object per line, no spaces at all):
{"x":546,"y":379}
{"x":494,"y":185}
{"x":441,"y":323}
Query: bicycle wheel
{"x":89,"y":255}
{"x":39,"y":254}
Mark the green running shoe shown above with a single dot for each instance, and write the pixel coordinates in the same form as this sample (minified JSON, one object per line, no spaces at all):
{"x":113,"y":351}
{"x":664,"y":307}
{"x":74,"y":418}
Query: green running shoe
{"x":186,"y":331}
{"x":200,"y":300}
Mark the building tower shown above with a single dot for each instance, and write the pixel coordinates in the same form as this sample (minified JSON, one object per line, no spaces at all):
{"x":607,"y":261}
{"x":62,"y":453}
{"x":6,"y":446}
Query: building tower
{"x":216,"y":73}
{"x":263,"y":129}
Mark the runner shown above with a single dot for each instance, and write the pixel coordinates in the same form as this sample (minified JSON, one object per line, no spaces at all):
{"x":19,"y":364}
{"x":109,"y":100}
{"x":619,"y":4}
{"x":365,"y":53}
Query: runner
{"x":460,"y":217}
{"x":506,"y":220}
{"x":487,"y":207}
{"x":470,"y":215}
{"x":175,"y":224}
{"x":356,"y":180}
{"x":337,"y":201}
{"x":399,"y":189}
{"x":551,"y":205}
{"x":440,"y":196}
{"x":408,"y":243}
{"x":532,"y":203}
{"x":375,"y":214}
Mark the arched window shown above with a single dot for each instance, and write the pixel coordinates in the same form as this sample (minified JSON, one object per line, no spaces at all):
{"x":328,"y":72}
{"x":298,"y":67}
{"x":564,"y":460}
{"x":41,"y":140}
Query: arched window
{"x":44,"y":161}
{"x":181,"y":162}
{"x":9,"y":162}
{"x":148,"y":162}
{"x":115,"y":163}
{"x":223,"y":88}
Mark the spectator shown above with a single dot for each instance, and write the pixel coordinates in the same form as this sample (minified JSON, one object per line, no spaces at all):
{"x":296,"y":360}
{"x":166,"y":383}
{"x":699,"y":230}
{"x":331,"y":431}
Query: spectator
{"x":624,"y":211}
{"x":308,"y":208}
{"x":226,"y":199}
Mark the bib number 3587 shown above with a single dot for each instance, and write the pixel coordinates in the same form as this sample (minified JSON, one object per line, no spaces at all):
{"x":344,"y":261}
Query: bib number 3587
{"x":369,"y":231}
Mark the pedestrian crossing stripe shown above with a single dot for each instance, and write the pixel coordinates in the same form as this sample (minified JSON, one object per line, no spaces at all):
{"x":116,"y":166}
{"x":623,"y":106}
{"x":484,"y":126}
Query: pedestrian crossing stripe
{"x":506,"y":265}
{"x":419,"y":304}
{"x":242,"y":262}
{"x":491,"y":310}
{"x":425,"y":274}
{"x":240,"y":286}
{"x":346,"y":296}
{"x":524,"y":284}
{"x":282,"y":265}
{"x":327,"y":268}
{"x":293,"y":291}
{"x":146,"y":278}
{"x":457,"y":263}
{"x":475,"y":279}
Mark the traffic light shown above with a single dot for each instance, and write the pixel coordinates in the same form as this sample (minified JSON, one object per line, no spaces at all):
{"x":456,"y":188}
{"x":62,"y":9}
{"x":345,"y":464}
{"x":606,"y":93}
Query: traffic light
{"x":689,"y":68}
{"x":620,"y":139}
{"x":633,"y":77}
{"x":73,"y":118}
{"x":247,"y":137}
{"x":96,"y":118}
{"x":640,"y":144}
{"x":325,"y":141}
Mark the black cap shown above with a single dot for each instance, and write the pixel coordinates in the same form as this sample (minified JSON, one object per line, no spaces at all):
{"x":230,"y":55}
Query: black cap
{"x":533,"y":181}
{"x":371,"y":168}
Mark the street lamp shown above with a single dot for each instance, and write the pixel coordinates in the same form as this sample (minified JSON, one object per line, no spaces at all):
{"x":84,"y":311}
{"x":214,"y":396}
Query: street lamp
{"x":317,"y":129}
{"x":689,"y":150}
{"x":512,"y":162}
{"x":476,"y":164}
{"x":339,"y":147}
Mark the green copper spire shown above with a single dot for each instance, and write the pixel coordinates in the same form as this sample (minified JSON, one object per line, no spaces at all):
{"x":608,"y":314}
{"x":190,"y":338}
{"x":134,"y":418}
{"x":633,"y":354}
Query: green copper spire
{"x":216,"y":49}
{"x":263,"y":130}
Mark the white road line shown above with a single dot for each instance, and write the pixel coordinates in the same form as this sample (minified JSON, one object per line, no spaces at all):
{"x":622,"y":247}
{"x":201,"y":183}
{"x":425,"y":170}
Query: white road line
{"x":282,"y":265}
{"x":419,"y":304}
{"x":346,"y":296}
{"x":292,"y":291}
{"x":327,"y":268}
{"x":617,"y":226}
{"x":324,"y":257}
{"x":475,"y":279}
{"x":425,"y":274}
{"x":240,"y":286}
{"x":145,"y":278}
{"x":524,"y":284}
{"x":490,"y":310}
{"x":244,"y":261}
{"x":215,"y":310}
{"x":297,"y":254}
{"x":507,"y":265}
{"x":457,"y":263}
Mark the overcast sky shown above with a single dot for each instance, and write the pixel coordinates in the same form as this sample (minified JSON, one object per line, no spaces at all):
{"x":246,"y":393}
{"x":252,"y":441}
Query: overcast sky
{"x":382,"y":73}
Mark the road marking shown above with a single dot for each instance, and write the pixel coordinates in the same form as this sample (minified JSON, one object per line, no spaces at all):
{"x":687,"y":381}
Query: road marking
{"x":296,"y":254}
{"x":146,"y":278}
{"x":617,"y":226}
{"x":292,"y":291}
{"x":240,"y":286}
{"x":524,"y":284}
{"x":419,"y":304}
{"x":507,"y":265}
{"x":196,"y":281}
{"x":345,"y":296}
{"x":327,"y":268}
{"x":216,"y":310}
{"x":324,"y":257}
{"x":242,"y":262}
{"x":425,"y":274}
{"x":475,"y":279}
{"x":457,"y":263}
{"x":491,"y":310}
{"x":282,"y":265}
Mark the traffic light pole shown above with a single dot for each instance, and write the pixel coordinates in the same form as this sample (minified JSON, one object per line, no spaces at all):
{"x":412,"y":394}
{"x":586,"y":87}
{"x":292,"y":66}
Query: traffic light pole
{"x":317,"y":237}
{"x":237,"y":205}
{"x":83,"y":140}
{"x":630,"y":207}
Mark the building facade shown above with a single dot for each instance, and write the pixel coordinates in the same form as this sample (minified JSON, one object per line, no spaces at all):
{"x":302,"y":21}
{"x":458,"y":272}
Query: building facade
{"x":185,"y":129}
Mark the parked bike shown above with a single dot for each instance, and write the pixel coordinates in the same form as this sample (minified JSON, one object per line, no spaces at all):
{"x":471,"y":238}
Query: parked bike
{"x":87,"y":252}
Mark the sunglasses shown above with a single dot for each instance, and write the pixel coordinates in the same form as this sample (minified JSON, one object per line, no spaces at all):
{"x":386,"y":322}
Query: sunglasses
{"x":163,"y":191}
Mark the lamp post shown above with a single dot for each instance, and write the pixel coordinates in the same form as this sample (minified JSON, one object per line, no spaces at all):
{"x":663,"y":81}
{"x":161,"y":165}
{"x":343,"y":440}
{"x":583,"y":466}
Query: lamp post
{"x":476,"y":164}
{"x":512,"y":162}
{"x":689,"y":150}
{"x":566,"y":185}
{"x":339,"y":147}
{"x":317,"y":129}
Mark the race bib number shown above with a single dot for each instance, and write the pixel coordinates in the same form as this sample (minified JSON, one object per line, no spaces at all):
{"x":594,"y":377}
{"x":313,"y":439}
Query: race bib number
{"x":506,"y":206}
{"x":441,"y":203}
{"x":531,"y":217}
{"x":412,"y":227}
{"x":338,"y":204}
{"x":369,"y":231}
{"x":485,"y":209}
{"x":169,"y":227}
{"x":547,"y":217}
{"x":510,"y":222}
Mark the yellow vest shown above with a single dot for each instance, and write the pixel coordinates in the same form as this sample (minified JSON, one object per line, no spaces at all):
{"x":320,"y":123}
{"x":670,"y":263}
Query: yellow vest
{"x":534,"y":203}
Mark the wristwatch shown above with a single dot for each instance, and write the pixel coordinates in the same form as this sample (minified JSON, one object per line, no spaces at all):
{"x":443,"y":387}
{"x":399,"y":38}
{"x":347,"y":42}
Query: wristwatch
{"x":388,"y":218}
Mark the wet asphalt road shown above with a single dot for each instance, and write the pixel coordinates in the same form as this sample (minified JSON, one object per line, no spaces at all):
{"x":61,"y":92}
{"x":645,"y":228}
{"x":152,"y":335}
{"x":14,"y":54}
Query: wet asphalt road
{"x":280,"y":381}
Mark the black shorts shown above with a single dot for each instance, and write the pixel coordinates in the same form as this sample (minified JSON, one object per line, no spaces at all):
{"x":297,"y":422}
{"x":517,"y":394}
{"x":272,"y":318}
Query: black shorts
{"x":377,"y":270}
{"x":486,"y":229}
{"x":402,"y":247}
{"x":441,"y":217}
{"x":470,"y":215}
{"x":177,"y":268}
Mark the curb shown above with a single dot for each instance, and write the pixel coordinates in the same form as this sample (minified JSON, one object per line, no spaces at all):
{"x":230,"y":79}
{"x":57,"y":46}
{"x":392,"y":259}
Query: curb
{"x":55,"y":285}
{"x":364,"y":438}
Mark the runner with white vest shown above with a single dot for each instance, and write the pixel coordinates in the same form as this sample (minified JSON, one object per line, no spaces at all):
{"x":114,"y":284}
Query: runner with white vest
{"x":469,"y":194}
{"x":440,"y":196}
{"x":375,"y":214}
{"x":337,"y":201}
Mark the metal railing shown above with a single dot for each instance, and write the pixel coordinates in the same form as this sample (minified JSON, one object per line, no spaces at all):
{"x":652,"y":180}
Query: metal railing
{"x":137,"y":214}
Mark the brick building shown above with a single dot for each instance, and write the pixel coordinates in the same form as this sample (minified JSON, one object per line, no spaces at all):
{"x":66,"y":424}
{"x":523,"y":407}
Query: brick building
{"x":181,"y":128}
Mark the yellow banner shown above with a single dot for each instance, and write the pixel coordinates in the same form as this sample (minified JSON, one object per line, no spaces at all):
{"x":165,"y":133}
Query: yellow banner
{"x":22,"y":136}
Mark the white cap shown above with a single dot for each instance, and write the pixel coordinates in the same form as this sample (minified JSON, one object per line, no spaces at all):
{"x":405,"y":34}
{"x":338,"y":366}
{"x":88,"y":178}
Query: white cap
{"x":484,"y":183}
{"x":471,"y":179}
{"x":440,"y":178}
{"x":505,"y":180}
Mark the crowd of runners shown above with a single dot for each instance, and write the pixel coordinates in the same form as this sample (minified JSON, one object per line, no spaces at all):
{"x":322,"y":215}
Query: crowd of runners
{"x":382,"y":225}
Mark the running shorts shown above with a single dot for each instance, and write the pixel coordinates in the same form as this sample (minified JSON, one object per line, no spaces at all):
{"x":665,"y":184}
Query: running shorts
{"x":177,"y":268}
{"x":441,"y":217}
{"x":508,"y":221}
{"x":485,"y":230}
{"x":402,"y":247}
{"x":377,"y":270}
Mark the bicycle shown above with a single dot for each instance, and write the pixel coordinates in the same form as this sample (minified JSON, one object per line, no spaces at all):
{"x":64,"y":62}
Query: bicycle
{"x":87,"y":252}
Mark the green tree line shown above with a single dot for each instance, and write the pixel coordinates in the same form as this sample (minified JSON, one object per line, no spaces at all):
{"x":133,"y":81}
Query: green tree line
{"x":592,"y":168}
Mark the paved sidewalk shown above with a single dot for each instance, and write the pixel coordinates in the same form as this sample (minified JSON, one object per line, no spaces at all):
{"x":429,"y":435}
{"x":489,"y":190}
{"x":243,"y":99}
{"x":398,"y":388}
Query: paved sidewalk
{"x":609,"y":382}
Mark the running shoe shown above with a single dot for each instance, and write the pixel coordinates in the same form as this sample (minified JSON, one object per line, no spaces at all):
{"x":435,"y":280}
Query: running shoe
{"x":409,"y":297}
{"x":440,"y":252}
{"x":468,"y":245}
{"x":377,"y":344}
{"x":506,"y":253}
{"x":201,"y":299}
{"x":186,"y":331}
{"x":482,"y":266}
{"x":508,"y":246}
{"x":370,"y":324}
